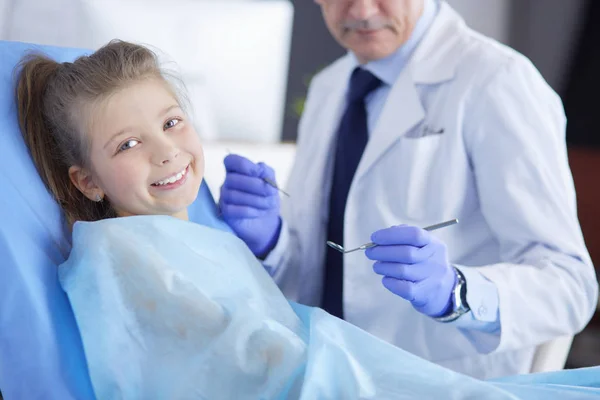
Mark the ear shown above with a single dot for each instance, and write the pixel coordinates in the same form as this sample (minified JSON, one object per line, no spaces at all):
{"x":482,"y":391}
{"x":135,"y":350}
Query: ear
{"x":83,"y":181}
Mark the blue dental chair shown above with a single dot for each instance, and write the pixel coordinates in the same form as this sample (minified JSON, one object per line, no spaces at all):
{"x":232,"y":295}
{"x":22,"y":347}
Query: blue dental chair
{"x":41,"y":354}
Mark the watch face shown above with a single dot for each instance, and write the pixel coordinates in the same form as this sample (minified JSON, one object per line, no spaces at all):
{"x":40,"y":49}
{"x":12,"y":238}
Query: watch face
{"x":459,"y":298}
{"x":463,"y":292}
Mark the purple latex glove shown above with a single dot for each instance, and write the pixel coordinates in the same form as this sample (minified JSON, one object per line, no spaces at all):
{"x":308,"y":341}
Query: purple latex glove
{"x":415,"y":266}
{"x":249,"y":205}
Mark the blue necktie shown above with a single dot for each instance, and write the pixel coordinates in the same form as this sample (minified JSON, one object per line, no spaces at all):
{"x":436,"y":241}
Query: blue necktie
{"x":352,"y":138}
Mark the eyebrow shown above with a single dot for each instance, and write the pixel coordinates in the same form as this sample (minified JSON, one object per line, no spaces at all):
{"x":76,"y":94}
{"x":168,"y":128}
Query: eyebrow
{"x":123,"y":131}
{"x":169,"y":108}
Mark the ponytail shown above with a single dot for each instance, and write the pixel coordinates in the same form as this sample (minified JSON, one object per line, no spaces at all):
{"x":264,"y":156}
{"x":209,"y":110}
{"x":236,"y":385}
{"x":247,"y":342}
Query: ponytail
{"x":53,"y":148}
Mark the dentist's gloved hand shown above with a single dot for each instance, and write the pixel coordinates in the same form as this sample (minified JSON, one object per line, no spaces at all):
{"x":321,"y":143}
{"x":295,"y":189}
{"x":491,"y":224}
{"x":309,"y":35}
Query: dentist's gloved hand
{"x":249,"y":205}
{"x":415,"y":266}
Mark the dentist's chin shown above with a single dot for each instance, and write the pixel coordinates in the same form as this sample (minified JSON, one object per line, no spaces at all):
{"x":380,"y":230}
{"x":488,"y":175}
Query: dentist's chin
{"x":367,"y":33}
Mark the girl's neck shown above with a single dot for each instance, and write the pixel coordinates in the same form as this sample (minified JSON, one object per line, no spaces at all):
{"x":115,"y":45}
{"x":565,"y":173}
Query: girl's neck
{"x":183,"y":215}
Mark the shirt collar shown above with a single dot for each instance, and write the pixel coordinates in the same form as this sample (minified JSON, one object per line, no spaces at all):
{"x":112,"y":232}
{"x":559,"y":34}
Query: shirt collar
{"x":387,"y":69}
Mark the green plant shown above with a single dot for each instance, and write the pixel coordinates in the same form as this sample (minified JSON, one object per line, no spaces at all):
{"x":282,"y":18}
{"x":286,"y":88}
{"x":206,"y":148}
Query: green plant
{"x":298,"y":102}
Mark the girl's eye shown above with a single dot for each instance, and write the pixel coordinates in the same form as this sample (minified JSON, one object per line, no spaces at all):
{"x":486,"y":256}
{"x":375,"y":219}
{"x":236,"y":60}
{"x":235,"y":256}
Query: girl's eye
{"x":171,"y":123}
{"x":129,"y":144}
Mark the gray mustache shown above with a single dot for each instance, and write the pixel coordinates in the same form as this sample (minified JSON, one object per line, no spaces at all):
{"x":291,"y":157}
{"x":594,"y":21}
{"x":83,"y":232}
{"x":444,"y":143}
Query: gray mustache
{"x":374,"y":23}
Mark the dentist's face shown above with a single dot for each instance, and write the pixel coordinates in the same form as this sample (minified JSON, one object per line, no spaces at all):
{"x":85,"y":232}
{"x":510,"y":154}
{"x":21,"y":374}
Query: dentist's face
{"x":371,"y":29}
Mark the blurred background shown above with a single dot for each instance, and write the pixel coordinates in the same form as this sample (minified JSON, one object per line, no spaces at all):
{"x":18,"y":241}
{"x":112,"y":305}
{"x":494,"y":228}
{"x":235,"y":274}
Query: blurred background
{"x":247,"y":64}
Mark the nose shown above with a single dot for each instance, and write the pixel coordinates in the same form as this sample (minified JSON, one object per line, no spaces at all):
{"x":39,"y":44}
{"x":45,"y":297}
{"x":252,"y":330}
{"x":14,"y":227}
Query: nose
{"x":363,"y":9}
{"x":164,"y":152}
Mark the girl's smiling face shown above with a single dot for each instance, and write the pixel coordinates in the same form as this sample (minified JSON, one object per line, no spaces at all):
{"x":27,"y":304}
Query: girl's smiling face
{"x":144,"y":154}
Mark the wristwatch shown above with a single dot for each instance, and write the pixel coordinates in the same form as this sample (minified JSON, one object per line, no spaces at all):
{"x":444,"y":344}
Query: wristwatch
{"x":459,"y":299}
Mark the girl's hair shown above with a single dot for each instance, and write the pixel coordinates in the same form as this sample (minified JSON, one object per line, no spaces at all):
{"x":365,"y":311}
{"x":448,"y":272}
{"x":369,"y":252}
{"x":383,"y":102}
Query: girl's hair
{"x":53,"y":99}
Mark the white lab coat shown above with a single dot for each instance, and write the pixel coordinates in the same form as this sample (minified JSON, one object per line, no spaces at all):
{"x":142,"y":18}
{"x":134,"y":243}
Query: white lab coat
{"x":500,"y":167}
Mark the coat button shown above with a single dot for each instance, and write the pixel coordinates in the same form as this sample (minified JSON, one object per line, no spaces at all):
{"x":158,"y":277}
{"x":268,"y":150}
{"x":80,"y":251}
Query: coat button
{"x":482,"y":311}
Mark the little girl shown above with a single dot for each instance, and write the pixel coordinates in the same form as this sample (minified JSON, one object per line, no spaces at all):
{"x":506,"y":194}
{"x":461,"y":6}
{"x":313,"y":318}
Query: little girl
{"x":168,"y":309}
{"x":109,"y":135}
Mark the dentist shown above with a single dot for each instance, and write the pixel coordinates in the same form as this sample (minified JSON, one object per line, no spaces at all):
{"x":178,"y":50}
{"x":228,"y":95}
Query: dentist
{"x":425,"y":120}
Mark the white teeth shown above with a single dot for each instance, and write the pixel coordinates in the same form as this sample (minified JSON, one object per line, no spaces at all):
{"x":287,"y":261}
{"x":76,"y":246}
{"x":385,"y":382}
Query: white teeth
{"x":172,"y":179}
